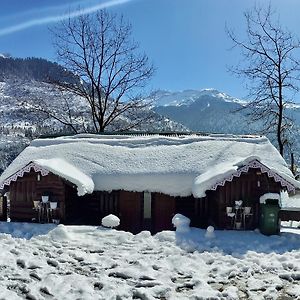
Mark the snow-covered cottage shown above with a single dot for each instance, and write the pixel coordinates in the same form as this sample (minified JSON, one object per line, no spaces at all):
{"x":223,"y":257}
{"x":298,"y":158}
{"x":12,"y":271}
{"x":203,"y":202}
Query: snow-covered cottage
{"x":145,"y":180}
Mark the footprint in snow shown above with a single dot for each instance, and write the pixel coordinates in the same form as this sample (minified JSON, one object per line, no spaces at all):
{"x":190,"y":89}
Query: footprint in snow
{"x":20,"y":289}
{"x":78,"y":258}
{"x":35,"y":276}
{"x":120,"y":275}
{"x":98,"y":251}
{"x":60,"y":251}
{"x":21,"y":263}
{"x":82,"y":271}
{"x":185,"y":287}
{"x":15,"y":252}
{"x":156,"y":268}
{"x":29,"y":296}
{"x":52,"y":263}
{"x":98,"y":286}
{"x":147,"y":284}
{"x":45,"y":292}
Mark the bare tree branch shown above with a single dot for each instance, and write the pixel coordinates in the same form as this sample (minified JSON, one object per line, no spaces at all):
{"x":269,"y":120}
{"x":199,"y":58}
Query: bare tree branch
{"x":272,"y":70}
{"x":100,"y":51}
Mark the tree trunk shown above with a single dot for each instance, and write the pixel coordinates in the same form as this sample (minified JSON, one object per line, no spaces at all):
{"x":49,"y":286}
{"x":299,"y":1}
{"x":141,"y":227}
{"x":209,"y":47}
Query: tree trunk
{"x":280,"y":113}
{"x":292,"y":163}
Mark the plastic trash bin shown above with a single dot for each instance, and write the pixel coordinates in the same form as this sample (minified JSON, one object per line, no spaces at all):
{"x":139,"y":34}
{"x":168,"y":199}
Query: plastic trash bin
{"x":269,"y":217}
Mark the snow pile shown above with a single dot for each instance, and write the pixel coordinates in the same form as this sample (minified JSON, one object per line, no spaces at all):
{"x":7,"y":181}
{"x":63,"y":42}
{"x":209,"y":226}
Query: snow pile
{"x":60,"y":233}
{"x":210,"y":232}
{"x":181,"y":223}
{"x":177,"y":166}
{"x":269,"y":196}
{"x":110,"y":221}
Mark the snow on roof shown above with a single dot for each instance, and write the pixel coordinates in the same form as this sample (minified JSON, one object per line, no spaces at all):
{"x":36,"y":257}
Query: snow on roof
{"x":64,"y":169}
{"x":152,"y":163}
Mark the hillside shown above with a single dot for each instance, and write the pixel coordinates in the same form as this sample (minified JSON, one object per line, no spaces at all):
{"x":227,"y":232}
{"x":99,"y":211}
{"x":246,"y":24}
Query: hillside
{"x":32,"y":68}
{"x":24,"y":83}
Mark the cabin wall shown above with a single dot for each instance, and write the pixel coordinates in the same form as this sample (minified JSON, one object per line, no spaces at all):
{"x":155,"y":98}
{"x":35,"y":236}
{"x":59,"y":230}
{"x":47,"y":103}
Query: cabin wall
{"x":26,"y":189}
{"x":163,"y":210}
{"x":91,"y":208}
{"x":130,"y":206}
{"x":248,"y":187}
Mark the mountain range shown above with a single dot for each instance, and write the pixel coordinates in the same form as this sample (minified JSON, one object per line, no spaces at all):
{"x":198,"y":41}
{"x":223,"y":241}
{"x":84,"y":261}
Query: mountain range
{"x":210,"y":110}
{"x":206,"y":110}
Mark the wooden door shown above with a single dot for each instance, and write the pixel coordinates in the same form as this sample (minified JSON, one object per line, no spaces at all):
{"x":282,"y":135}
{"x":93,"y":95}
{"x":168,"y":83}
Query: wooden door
{"x":131,"y":209}
{"x":163,"y":210}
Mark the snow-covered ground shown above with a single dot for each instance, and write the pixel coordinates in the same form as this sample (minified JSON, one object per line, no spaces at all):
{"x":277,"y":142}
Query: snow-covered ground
{"x":84,"y":262}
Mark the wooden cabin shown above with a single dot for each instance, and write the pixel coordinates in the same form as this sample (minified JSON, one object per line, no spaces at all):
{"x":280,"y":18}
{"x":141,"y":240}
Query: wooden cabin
{"x":145,"y":180}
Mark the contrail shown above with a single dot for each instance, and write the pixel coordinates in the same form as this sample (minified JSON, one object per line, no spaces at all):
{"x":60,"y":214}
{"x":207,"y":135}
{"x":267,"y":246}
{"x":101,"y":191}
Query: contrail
{"x":57,"y":18}
{"x":46,"y":9}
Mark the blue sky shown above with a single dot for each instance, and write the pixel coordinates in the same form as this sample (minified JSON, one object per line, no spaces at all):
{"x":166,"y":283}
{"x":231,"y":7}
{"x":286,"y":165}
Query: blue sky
{"x":185,"y":39}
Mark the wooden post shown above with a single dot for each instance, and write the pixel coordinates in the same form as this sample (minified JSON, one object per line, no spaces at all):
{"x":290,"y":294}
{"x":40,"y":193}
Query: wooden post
{"x":3,"y":208}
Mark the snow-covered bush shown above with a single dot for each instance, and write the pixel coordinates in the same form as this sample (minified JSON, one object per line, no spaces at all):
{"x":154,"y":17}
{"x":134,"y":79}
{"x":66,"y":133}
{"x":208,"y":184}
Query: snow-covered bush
{"x":181,"y":222}
{"x":110,"y":221}
{"x":210,"y":232}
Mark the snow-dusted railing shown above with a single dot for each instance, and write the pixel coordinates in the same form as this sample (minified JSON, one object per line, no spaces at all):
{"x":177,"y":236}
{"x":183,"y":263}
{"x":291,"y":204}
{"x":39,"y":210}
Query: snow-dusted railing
{"x":255,"y":164}
{"x":21,"y":173}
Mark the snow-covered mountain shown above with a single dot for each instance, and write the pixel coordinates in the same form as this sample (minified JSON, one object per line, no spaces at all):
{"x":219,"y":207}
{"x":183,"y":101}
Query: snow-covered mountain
{"x":210,"y":110}
{"x":207,"y":110}
{"x":188,"y":97}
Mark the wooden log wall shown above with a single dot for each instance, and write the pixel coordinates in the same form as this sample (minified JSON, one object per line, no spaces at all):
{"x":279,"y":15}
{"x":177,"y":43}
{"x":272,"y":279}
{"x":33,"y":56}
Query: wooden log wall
{"x":289,"y":215}
{"x":131,"y":211}
{"x":91,"y":208}
{"x":27,"y":189}
{"x":163,"y":210}
{"x":164,"y":207}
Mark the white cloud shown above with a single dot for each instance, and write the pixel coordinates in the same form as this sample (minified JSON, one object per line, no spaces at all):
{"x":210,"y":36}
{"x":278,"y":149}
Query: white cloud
{"x":60,"y":17}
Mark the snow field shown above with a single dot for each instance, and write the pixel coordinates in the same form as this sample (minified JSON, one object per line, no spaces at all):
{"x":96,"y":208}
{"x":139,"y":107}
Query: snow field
{"x":86,"y":262}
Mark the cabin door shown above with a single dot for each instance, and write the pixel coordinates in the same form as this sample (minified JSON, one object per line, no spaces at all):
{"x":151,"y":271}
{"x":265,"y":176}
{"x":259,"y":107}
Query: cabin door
{"x":131,"y":208}
{"x":163,"y":210}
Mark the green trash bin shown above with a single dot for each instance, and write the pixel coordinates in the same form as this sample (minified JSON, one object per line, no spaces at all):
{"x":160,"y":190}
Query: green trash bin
{"x":269,"y":217}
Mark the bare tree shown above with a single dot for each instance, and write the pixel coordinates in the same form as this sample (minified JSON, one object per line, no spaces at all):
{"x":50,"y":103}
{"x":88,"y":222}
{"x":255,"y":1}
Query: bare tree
{"x":99,"y":50}
{"x":269,"y":63}
{"x":64,"y":112}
